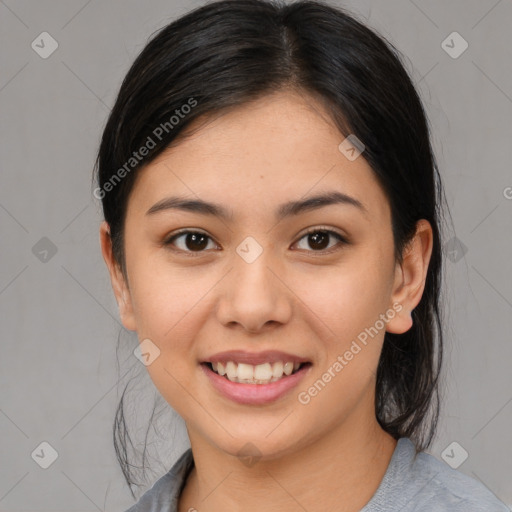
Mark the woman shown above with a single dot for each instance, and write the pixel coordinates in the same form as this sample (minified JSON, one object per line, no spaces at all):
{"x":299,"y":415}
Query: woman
{"x":272,"y":230}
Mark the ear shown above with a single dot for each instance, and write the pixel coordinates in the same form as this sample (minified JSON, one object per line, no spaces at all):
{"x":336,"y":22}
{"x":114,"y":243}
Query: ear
{"x":410,"y":276}
{"x":119,"y":285}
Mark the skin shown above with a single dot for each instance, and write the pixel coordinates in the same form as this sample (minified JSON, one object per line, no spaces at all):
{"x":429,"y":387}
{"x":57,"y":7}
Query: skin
{"x":331,"y":453}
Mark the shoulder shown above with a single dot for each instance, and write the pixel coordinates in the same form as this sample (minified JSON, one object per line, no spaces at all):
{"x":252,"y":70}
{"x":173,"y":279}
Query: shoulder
{"x":163,"y":495}
{"x":452,"y":490}
{"x":418,"y":482}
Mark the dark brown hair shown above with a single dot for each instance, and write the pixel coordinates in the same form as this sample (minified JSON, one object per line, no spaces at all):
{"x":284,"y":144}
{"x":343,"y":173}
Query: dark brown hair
{"x":229,"y":52}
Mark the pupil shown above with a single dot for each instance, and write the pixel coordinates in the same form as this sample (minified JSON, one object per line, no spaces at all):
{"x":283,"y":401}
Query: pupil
{"x":193,"y":238}
{"x":197,"y":241}
{"x":320,"y":240}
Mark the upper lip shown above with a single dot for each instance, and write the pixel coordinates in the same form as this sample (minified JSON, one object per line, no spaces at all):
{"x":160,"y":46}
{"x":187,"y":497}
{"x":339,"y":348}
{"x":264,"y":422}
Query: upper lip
{"x":254,"y":358}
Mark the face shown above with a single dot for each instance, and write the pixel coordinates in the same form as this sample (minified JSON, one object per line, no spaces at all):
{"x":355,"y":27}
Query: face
{"x":266,"y":273}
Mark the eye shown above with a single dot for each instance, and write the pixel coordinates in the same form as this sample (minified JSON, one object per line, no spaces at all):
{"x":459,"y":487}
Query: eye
{"x":318,"y":239}
{"x":190,"y":241}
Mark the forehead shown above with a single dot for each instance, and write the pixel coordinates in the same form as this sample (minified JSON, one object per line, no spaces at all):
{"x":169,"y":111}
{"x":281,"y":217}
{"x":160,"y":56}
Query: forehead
{"x":280,"y":147}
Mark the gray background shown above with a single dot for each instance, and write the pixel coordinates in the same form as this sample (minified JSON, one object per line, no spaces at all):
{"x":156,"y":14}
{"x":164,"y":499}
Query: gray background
{"x":59,"y":320}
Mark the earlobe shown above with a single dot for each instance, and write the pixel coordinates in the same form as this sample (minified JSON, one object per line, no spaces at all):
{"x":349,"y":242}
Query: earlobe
{"x":400,"y":323}
{"x":410,"y":277}
{"x":119,"y":286}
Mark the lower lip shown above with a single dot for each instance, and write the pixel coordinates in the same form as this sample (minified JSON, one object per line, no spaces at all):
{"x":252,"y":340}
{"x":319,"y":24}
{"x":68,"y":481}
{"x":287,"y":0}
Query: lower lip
{"x":255,"y":394}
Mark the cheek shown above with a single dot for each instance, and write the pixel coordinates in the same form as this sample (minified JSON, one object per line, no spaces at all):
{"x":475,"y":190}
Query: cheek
{"x":347,"y":297}
{"x":349,"y":304}
{"x":169,"y":310}
{"x":164,"y":298}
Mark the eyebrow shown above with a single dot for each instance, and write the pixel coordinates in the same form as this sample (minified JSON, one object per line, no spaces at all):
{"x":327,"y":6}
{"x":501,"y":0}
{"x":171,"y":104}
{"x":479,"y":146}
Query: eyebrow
{"x":285,"y":210}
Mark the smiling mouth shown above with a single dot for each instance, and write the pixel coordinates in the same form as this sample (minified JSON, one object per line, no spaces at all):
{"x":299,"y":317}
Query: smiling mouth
{"x":255,"y":374}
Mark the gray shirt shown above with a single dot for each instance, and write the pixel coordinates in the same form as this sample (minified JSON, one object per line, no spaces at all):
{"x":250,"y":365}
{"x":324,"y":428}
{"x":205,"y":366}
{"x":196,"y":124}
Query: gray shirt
{"x":413,"y":482}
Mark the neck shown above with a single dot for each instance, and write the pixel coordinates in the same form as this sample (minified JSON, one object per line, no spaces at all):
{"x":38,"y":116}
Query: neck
{"x":339,"y":471}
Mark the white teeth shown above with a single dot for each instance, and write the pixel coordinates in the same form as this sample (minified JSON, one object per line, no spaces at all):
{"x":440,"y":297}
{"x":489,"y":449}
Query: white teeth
{"x":277,"y":370}
{"x":262,"y":371}
{"x":231,"y":370}
{"x":245,"y":371}
{"x":255,"y":374}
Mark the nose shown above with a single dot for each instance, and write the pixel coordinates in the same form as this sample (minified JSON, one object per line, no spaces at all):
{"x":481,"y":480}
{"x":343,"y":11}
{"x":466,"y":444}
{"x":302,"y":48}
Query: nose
{"x":254,"y":296}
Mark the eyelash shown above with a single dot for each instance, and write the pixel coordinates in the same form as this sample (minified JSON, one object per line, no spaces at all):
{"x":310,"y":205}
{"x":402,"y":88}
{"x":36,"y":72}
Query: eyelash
{"x":317,"y":229}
